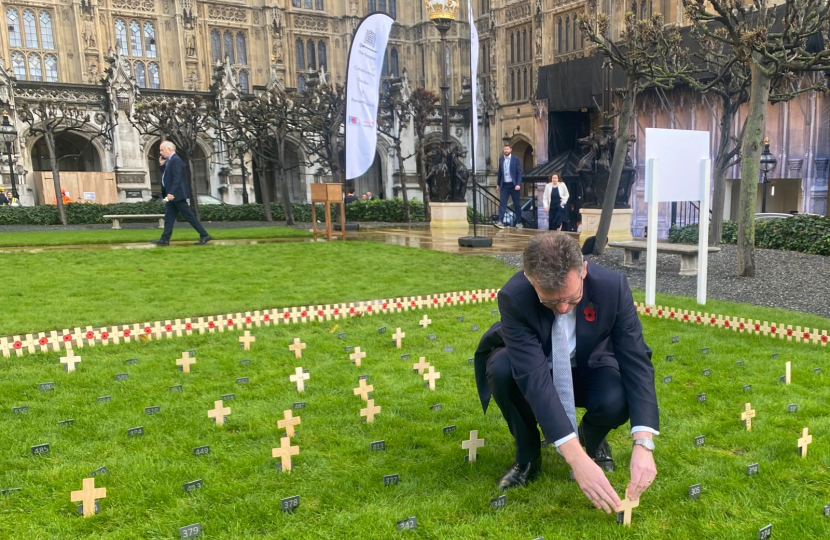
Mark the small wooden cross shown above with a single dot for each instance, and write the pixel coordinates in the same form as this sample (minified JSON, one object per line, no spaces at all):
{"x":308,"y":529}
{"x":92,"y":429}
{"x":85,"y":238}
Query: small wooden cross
{"x":788,"y":368}
{"x":88,"y":495}
{"x":426,"y":321}
{"x":398,"y":336}
{"x":185,"y":361}
{"x":300,"y":378}
{"x":626,"y":506}
{"x":70,"y":359}
{"x":246,"y":340}
{"x":472,"y":445}
{"x":297,"y":347}
{"x":421,"y":365}
{"x":284,"y":452}
{"x":805,"y":441}
{"x":430,"y":377}
{"x":363,"y":390}
{"x":219,"y":412}
{"x":357,"y":356}
{"x":289,"y":422}
{"x":747,"y":416}
{"x":370,"y":411}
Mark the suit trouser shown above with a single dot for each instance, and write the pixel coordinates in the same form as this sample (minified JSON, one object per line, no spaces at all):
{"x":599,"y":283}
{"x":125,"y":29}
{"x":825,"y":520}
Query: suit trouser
{"x":600,"y":392}
{"x":507,"y":191}
{"x":172,"y":210}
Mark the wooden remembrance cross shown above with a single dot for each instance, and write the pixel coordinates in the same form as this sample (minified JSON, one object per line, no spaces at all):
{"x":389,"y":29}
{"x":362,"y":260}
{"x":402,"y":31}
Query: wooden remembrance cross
{"x":289,"y":422}
{"x":363,"y":390}
{"x":370,"y":411}
{"x":626,"y":506}
{"x":300,"y":378}
{"x":219,"y":412}
{"x":87,"y":496}
{"x":398,"y":336}
{"x":297,"y":347}
{"x":426,"y":321}
{"x":804,"y":442}
{"x":357,"y":356}
{"x":246,"y":340}
{"x":421,"y":365}
{"x":472,"y":445}
{"x":430,"y":377}
{"x":284,"y":452}
{"x":70,"y":359}
{"x":747,"y":416}
{"x":185,"y":361}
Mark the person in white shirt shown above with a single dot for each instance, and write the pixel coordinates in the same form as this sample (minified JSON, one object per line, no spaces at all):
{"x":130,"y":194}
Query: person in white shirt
{"x":555,"y":202}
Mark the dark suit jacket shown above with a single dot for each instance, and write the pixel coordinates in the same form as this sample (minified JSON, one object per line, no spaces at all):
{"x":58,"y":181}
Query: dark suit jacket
{"x":174,"y":179}
{"x":515,"y":170}
{"x":614,"y":338}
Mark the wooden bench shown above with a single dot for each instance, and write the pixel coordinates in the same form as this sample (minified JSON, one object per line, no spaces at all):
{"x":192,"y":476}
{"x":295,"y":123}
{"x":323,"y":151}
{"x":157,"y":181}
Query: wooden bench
{"x":687,"y":252}
{"x":116,"y":219}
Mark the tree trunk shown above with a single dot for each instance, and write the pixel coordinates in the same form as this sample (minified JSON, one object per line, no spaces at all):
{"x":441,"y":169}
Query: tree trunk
{"x":620,"y":151}
{"x":404,"y":194}
{"x":719,"y":176}
{"x":56,"y":176}
{"x":422,"y":180}
{"x":194,"y":196}
{"x":265,"y":192}
{"x":279,"y":168}
{"x":750,"y":167}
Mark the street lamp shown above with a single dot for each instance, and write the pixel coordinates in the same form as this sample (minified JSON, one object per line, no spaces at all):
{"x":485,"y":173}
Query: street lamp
{"x":240,"y":145}
{"x":9,"y":135}
{"x":443,"y":13}
{"x":768,"y":163}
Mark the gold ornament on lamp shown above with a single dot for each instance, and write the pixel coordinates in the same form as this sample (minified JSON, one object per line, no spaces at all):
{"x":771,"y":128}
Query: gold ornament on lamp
{"x":442,"y":9}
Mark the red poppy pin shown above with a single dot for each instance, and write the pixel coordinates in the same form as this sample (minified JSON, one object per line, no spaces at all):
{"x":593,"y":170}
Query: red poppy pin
{"x":590,"y":313}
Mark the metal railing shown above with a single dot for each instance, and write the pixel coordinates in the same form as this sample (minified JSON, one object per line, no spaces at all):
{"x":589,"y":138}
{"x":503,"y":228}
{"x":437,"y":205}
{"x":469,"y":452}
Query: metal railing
{"x":488,"y":207}
{"x":686,"y":213}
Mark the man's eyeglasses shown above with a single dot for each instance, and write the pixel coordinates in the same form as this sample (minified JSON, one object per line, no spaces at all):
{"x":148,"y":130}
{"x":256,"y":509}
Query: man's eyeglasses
{"x":552,"y":304}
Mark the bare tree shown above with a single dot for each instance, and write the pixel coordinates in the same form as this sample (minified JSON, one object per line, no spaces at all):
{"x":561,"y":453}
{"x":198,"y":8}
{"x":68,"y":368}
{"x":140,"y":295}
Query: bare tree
{"x":423,"y":104}
{"x":321,"y":122}
{"x":773,"y":42}
{"x":650,"y":53}
{"x":51,"y":119}
{"x":180,"y":120}
{"x":397,"y":113}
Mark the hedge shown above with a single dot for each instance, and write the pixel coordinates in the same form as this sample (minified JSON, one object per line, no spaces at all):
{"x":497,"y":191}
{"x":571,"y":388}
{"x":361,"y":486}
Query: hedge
{"x":802,"y":233}
{"x":82,"y":214}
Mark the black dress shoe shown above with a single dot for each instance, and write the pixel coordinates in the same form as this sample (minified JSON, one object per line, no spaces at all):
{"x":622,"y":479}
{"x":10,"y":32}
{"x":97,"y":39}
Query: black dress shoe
{"x":161,"y":243}
{"x":204,"y":240}
{"x":519,"y":474}
{"x":602,"y":456}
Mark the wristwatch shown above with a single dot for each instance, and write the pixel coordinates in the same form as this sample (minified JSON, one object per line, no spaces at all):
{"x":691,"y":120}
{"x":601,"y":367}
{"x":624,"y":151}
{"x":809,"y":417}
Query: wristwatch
{"x":648,"y":444}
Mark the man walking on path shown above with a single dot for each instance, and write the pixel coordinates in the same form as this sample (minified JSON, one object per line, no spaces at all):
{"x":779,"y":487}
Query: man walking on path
{"x":509,"y":184}
{"x":175,"y":191}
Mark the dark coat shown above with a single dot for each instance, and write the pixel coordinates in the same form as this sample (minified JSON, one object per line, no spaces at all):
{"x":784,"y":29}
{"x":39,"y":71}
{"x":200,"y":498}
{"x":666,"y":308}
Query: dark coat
{"x":174,"y":178}
{"x":613,"y":338}
{"x":515,"y":171}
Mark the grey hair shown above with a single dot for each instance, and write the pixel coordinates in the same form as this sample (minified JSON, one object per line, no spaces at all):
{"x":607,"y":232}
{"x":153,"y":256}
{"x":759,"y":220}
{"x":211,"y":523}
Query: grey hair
{"x":549,"y":257}
{"x":168,"y":144}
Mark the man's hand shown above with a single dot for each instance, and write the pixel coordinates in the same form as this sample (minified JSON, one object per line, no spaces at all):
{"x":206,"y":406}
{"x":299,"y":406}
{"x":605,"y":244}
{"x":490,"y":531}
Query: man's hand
{"x":643,"y":472}
{"x":170,"y":197}
{"x":497,"y":187}
{"x":518,"y":187}
{"x":590,"y":477}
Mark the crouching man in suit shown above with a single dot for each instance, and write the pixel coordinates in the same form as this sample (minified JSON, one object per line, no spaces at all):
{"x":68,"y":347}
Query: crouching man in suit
{"x":569,"y":337}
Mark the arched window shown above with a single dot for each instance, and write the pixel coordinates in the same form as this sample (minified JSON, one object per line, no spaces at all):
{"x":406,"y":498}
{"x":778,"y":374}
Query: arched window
{"x":512,"y":49}
{"x":382,"y":5}
{"x":13,"y":26}
{"x":135,"y":39}
{"x":30,"y":29}
{"x":512,"y":85}
{"x":384,"y":70}
{"x":312,"y":62}
{"x":295,"y":3}
{"x":153,"y":75}
{"x":301,"y":83}
{"x":19,"y":66}
{"x":576,"y":31}
{"x":318,"y":5}
{"x":372,"y":7}
{"x":215,"y":46}
{"x":307,"y":4}
{"x":46,"y":36}
{"x":524,"y":83}
{"x":559,"y":35}
{"x":228,"y":42}
{"x":395,"y":62}
{"x":643,"y":10}
{"x":140,"y":75}
{"x":35,"y":71}
{"x":524,"y":45}
{"x":322,"y":57}
{"x":121,"y":36}
{"x":300,"y":55}
{"x":149,"y":40}
{"x":241,"y":48}
{"x":244,"y":83}
{"x":567,"y":33}
{"x":393,"y":8}
{"x":50,"y":62}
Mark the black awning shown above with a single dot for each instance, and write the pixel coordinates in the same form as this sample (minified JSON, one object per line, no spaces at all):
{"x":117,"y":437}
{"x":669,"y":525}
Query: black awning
{"x":575,"y":84}
{"x":565,"y":164}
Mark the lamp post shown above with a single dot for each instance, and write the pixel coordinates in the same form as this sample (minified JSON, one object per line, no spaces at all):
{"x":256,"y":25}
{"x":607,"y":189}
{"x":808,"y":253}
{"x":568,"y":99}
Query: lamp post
{"x":768,"y":163}
{"x":443,"y":13}
{"x":240,"y":145}
{"x":9,"y":135}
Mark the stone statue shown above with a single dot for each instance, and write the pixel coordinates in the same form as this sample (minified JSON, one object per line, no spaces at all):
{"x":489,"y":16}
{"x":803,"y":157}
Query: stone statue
{"x":89,"y":32}
{"x":190,"y":42}
{"x":447,"y":175}
{"x":539,"y":41}
{"x":595,"y":168}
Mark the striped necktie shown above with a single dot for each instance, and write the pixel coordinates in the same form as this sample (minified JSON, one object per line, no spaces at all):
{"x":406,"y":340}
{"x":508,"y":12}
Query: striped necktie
{"x":562,"y":377}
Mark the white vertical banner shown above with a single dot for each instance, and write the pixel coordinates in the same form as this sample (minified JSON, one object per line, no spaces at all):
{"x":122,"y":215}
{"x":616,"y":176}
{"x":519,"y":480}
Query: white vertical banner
{"x":363,"y":75}
{"x":473,"y":79}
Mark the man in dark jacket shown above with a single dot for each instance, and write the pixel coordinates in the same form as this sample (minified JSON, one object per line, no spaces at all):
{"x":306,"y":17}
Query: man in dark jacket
{"x":569,"y":337}
{"x":176,"y":192}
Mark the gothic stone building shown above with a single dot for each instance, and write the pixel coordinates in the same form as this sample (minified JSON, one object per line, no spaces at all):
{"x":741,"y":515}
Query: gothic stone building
{"x":61,"y":49}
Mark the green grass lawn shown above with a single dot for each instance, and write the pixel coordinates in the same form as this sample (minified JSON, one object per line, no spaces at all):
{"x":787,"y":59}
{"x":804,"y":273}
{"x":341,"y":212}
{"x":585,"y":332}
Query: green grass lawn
{"x":338,"y":478}
{"x":182,"y":232}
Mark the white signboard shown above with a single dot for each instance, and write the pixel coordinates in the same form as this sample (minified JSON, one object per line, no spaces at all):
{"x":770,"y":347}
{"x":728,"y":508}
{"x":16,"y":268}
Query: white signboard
{"x":362,"y":92}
